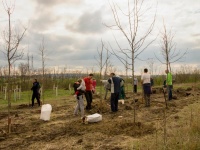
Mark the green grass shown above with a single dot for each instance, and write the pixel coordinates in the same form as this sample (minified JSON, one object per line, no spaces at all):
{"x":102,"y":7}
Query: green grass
{"x":25,"y":98}
{"x":50,"y":95}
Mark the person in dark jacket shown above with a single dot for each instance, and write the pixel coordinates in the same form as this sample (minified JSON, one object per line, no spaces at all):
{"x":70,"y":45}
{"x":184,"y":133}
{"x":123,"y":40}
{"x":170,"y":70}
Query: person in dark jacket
{"x":115,"y":91}
{"x":36,"y":94}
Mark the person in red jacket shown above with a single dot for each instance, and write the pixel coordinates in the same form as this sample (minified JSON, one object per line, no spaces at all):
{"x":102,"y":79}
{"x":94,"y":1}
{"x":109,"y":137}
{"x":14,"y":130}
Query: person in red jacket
{"x":88,"y":91}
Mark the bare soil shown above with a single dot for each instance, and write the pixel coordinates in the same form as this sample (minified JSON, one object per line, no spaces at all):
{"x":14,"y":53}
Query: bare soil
{"x":116,"y":131}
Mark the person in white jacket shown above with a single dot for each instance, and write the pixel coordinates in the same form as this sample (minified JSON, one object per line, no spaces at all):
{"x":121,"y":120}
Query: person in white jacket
{"x":82,"y":85}
{"x":79,"y":88}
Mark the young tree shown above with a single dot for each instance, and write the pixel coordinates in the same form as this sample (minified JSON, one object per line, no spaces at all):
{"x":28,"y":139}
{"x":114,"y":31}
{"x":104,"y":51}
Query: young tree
{"x":102,"y":63}
{"x":23,"y":68}
{"x":29,"y":76}
{"x":135,"y":34}
{"x":42,"y":51}
{"x":107,"y":64}
{"x":168,"y":49}
{"x":12,"y":39}
{"x":150,"y":62}
{"x":43,"y":56}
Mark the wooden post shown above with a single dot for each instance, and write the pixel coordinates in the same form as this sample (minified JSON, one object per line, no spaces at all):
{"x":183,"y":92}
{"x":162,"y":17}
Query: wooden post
{"x":5,"y":92}
{"x":56,"y":91}
{"x":69,"y":87}
{"x":15,"y":94}
{"x":53,"y":87}
{"x":20,"y":93}
{"x":9,"y":125}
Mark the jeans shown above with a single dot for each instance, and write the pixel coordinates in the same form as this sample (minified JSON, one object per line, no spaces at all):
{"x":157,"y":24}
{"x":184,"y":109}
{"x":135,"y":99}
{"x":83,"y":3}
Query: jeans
{"x":79,"y":106}
{"x":169,"y":91}
{"x":147,"y":92}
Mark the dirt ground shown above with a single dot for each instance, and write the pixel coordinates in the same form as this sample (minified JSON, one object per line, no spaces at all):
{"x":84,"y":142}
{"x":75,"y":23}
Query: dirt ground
{"x":116,"y":131}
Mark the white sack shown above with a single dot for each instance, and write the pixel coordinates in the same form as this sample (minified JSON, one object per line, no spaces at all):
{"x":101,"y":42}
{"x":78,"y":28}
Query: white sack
{"x":94,"y":118}
{"x":45,"y":112}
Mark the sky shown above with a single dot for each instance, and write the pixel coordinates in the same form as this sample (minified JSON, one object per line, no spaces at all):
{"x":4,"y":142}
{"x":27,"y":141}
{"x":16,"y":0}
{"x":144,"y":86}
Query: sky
{"x":73,"y":30}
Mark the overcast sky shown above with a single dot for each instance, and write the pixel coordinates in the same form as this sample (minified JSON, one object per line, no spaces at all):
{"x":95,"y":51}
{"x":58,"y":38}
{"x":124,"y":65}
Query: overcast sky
{"x":73,"y":30}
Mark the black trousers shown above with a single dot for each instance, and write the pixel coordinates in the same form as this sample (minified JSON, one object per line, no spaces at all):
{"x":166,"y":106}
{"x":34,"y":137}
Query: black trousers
{"x":88,"y":96}
{"x":37,"y":96}
{"x":135,"y":88}
{"x":114,"y":101}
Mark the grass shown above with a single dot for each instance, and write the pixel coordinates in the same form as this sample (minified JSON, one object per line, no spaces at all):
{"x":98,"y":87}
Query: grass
{"x":50,"y":95}
{"x":25,"y":97}
{"x":183,"y":132}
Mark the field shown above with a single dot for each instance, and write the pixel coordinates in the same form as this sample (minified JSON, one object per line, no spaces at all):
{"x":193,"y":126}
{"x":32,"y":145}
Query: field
{"x":177,"y":127}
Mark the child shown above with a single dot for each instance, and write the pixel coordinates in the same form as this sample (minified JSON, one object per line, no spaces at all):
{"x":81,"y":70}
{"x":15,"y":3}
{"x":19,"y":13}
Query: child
{"x":79,"y":88}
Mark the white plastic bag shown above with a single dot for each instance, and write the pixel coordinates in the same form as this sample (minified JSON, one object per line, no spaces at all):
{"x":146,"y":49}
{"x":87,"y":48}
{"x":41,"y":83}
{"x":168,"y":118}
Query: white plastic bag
{"x":45,"y":112}
{"x":94,"y":118}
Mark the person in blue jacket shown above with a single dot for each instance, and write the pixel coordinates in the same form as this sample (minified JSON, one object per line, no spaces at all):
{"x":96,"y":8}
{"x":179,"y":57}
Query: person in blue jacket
{"x":115,"y":91}
{"x":36,"y":92}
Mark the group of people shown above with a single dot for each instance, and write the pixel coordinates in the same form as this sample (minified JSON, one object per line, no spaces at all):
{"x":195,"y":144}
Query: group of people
{"x":147,"y":83}
{"x":87,"y":86}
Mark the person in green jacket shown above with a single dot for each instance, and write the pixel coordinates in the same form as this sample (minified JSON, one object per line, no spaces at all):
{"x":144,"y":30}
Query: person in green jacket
{"x":122,"y":91}
{"x":169,"y":84}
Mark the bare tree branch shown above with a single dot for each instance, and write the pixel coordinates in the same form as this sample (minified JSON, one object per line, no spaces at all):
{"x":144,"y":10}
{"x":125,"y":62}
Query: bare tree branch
{"x":12,"y":52}
{"x":168,"y":48}
{"x":136,"y":41}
